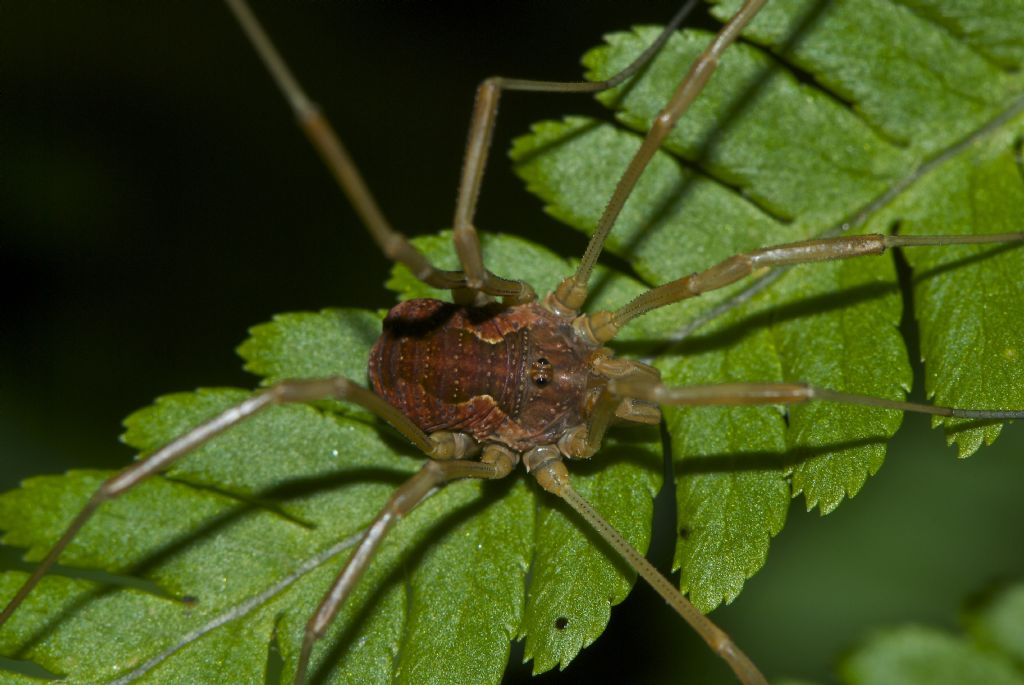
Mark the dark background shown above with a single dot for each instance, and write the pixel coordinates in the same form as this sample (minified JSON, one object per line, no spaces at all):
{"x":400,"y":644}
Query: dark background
{"x":156,"y":201}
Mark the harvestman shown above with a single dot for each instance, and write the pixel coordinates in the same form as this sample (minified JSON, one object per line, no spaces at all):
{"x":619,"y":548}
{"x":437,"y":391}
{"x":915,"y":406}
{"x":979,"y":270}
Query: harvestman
{"x":535,"y":383}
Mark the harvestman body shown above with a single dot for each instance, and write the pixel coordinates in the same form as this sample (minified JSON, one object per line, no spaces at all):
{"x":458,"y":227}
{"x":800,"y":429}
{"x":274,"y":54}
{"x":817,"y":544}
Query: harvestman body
{"x":521,"y":380}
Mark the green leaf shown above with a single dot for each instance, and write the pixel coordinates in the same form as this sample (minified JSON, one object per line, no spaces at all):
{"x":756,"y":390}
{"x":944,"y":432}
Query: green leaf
{"x":863,"y":113}
{"x":935,"y":90}
{"x":312,"y":345}
{"x":228,"y":522}
{"x":997,"y":623}
{"x":923,"y":656}
{"x":990,"y":653}
{"x":770,"y":153}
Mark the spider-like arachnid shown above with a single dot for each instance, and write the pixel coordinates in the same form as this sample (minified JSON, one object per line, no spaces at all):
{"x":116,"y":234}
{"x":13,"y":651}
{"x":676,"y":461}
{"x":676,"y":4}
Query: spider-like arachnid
{"x":647,"y":266}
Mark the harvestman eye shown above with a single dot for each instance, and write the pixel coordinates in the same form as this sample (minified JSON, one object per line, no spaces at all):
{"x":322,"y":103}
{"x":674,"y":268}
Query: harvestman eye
{"x":541,"y":372}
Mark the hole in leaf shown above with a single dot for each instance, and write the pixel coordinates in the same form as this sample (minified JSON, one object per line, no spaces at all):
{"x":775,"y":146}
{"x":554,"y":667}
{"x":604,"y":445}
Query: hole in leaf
{"x":188,"y":603}
{"x":561,"y":622}
{"x":684,"y":533}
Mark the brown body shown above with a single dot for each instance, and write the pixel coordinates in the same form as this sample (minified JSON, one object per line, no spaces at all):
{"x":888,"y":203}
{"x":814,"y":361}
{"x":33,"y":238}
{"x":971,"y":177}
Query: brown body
{"x":515,"y":375}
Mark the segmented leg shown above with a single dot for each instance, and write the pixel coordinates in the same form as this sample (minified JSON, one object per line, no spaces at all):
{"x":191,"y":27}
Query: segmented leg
{"x":481,"y":131}
{"x":393,"y":244}
{"x":603,"y":326}
{"x":545,"y":464}
{"x":572,"y":292}
{"x":439,"y":445}
{"x":496,"y":462}
{"x":735,"y":394}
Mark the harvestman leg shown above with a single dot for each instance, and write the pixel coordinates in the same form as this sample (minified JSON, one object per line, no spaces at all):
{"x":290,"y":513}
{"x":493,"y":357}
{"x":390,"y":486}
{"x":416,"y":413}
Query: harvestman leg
{"x":496,"y":462}
{"x":394,"y":245}
{"x":571,"y":293}
{"x":735,"y":394}
{"x":545,"y":464}
{"x":321,"y":135}
{"x":442,"y":445}
{"x":604,"y":326}
{"x":628,"y":381}
{"x":481,"y":131}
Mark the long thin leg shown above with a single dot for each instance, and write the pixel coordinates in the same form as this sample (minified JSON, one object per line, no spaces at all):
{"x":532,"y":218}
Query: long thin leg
{"x":572,"y":292}
{"x":481,"y":131}
{"x":603,"y":326}
{"x":734,"y":394}
{"x":496,"y":462}
{"x":546,"y":466}
{"x":318,"y":130}
{"x":441,"y":445}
